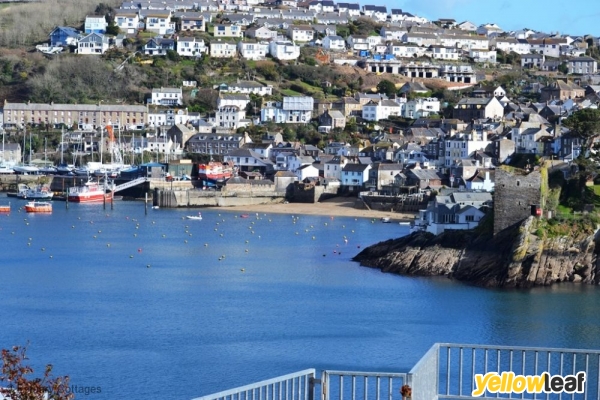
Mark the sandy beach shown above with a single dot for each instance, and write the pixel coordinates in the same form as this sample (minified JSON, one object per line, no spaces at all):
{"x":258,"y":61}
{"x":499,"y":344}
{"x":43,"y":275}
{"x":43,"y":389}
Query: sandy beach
{"x":338,"y":207}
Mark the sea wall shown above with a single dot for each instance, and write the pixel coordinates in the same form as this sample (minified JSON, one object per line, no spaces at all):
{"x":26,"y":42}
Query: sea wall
{"x":516,"y":257}
{"x":209,"y":198}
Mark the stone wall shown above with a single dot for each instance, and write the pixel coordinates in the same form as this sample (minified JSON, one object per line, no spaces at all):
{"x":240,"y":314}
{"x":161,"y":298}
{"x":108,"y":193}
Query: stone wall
{"x":514,"y":194}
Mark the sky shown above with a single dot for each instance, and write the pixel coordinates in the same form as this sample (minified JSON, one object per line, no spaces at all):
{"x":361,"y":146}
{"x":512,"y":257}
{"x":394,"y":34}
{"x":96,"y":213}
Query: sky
{"x":573,"y":17}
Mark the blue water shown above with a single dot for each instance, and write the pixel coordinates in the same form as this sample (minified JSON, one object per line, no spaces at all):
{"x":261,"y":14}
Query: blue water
{"x":142,"y":307}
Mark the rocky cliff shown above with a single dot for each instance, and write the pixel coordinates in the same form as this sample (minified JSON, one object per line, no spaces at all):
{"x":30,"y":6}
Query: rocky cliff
{"x":521,"y":256}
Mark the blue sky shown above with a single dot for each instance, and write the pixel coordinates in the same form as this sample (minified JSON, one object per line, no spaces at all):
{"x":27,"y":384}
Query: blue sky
{"x":575,"y":17}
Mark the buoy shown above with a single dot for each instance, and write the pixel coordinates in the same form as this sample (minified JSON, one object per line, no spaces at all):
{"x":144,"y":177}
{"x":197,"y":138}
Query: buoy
{"x":164,"y":235}
{"x":243,"y":269}
{"x":185,"y":241}
{"x":28,"y":244}
{"x":140,"y":250}
{"x":131,"y":256}
{"x":94,"y":236}
{"x":99,"y":231}
{"x":246,"y":250}
{"x":43,"y":249}
{"x":50,"y":256}
{"x":221,"y":235}
{"x":107,"y":244}
{"x":246,"y":241}
{"x":314,"y":238}
{"x":205,"y":244}
{"x":147,"y":265}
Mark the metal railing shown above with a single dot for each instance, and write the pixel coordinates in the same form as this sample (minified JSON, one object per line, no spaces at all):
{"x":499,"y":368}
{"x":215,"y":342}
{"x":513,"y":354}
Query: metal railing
{"x":458,"y":364}
{"x":351,"y":385}
{"x":446,"y":371}
{"x":294,"y":386}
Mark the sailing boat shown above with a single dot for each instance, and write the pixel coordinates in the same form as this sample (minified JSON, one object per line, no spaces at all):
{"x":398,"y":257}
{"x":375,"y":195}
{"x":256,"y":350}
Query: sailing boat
{"x":4,"y":167}
{"x":47,"y":169}
{"x":26,"y":169}
{"x":63,"y":168}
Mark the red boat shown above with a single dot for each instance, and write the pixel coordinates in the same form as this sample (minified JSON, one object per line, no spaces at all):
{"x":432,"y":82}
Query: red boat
{"x":5,"y":209}
{"x":91,"y":192}
{"x":215,"y":171}
{"x":38,"y":207}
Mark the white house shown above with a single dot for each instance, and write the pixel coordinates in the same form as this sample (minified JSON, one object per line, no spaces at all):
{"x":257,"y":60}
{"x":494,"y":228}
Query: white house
{"x":301,"y":33}
{"x":383,"y":109}
{"x":128,"y":22}
{"x":334,"y":43}
{"x":260,"y":32}
{"x":190,"y":47}
{"x":354,"y":176}
{"x":405,"y":50}
{"x":220,"y":49}
{"x":228,"y":30}
{"x":159,"y":21}
{"x":94,"y":43}
{"x":235,"y":100}
{"x":421,"y":107}
{"x":292,"y":110}
{"x":230,"y":117}
{"x":458,"y":211}
{"x":358,"y":42}
{"x":332,"y":169}
{"x":166,"y":96}
{"x":489,"y":30}
{"x":483,"y":55}
{"x":283,"y":50}
{"x":307,"y":171}
{"x":508,"y":45}
{"x":252,"y":50}
{"x":247,"y":87}
{"x":95,"y":24}
{"x":392,"y":33}
{"x":443,"y":53}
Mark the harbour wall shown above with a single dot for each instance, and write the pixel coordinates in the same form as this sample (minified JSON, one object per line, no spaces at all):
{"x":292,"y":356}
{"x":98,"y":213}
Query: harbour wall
{"x":205,"y":198}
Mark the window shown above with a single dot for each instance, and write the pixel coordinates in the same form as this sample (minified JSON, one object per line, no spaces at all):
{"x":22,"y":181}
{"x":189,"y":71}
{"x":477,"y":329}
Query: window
{"x":470,"y":218}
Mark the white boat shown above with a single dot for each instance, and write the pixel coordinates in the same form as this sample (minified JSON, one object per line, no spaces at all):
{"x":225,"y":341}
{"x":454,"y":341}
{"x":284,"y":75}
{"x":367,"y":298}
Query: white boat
{"x":197,"y":217}
{"x":40,"y":192}
{"x":5,"y":169}
{"x":386,"y":220}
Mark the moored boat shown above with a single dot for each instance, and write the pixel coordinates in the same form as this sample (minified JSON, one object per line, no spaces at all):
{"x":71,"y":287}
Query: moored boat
{"x":90,"y":192}
{"x":41,"y":192}
{"x":38,"y":207}
{"x":197,"y":217}
{"x":4,"y":208}
{"x":386,"y":220}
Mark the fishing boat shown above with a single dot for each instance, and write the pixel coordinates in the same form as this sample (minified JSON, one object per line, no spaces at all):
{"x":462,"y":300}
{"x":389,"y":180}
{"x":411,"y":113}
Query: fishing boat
{"x":40,"y":192}
{"x":38,"y":207}
{"x":90,"y":192}
{"x":4,"y":208}
{"x":197,"y":217}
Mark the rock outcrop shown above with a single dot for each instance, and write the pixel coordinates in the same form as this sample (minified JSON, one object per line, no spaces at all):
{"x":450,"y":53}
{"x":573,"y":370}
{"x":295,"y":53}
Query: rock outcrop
{"x":516,"y":257}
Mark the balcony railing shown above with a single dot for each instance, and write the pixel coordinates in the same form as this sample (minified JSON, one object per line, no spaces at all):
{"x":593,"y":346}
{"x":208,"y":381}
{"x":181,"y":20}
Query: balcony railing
{"x":446,"y":371}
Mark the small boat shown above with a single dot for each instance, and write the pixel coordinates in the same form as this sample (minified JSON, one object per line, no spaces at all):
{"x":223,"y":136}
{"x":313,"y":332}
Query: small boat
{"x":244,"y":216}
{"x":41,"y":192}
{"x":197,"y":217}
{"x":5,"y":208}
{"x":404,"y":223}
{"x":38,"y":207}
{"x":386,"y":220}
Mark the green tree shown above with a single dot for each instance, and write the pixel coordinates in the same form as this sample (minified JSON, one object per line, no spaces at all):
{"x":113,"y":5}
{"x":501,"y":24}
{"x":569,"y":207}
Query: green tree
{"x":562,"y":67}
{"x":585,"y":124}
{"x":387,"y":87}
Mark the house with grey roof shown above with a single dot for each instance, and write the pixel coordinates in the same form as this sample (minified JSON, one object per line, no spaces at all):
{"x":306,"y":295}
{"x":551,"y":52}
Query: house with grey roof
{"x":354,"y":176}
{"x":582,"y":65}
{"x":457,"y":211}
{"x":249,"y":160}
{"x":166,"y":96}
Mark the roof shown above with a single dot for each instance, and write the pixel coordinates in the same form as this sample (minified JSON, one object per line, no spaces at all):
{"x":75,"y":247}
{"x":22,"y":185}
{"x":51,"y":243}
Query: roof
{"x":463,"y":197}
{"x":355,"y":167}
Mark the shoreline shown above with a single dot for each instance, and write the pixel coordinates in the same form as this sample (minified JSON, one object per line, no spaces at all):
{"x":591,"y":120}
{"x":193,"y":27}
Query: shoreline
{"x":336,"y":207}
